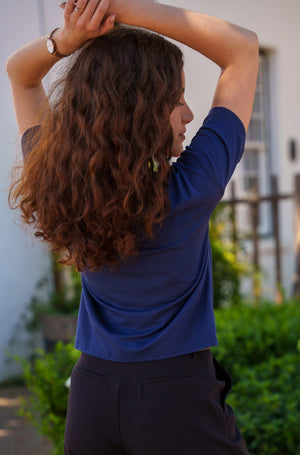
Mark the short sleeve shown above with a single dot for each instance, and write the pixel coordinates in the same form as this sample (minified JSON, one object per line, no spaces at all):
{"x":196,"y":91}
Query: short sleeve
{"x":207,"y":164}
{"x":29,"y":139}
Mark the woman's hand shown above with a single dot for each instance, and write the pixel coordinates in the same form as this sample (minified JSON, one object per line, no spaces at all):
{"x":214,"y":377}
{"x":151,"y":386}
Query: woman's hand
{"x":83,"y":20}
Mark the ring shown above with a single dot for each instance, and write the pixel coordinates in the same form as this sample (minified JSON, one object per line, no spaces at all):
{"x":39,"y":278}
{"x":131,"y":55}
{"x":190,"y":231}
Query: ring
{"x":78,"y":10}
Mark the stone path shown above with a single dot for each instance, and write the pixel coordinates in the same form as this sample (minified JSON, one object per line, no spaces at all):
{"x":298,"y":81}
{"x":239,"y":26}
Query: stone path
{"x":16,"y":436}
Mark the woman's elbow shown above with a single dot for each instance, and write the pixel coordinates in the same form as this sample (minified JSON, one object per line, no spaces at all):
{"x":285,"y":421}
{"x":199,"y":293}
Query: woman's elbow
{"x":11,"y":67}
{"x":252,"y":43}
{"x":250,"y":50}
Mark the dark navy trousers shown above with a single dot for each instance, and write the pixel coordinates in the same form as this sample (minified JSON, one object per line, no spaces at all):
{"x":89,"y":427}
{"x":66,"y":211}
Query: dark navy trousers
{"x":172,"y":406}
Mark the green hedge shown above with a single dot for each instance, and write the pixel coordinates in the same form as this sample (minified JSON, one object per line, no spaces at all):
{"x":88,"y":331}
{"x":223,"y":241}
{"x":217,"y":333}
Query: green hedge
{"x":258,"y":346}
{"x":267,"y":405}
{"x":260,"y":349}
{"x":249,"y":335}
{"x":228,"y":259}
{"x":46,"y":380}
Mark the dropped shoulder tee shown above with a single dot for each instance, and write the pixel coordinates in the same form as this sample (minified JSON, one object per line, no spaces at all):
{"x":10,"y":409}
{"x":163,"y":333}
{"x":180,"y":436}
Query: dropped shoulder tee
{"x":159,"y":303}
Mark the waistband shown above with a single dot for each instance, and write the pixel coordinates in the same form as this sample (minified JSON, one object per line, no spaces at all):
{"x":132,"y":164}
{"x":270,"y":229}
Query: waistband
{"x":94,"y":363}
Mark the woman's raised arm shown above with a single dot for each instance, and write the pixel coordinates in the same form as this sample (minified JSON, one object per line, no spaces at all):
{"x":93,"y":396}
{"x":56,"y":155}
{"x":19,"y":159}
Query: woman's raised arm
{"x":27,"y":66}
{"x":233,"y":48}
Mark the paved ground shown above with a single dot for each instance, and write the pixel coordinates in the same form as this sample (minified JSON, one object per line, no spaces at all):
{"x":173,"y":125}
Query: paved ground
{"x":16,"y":436}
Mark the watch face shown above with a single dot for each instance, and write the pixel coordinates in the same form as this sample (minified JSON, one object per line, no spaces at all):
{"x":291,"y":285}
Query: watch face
{"x":50,"y":45}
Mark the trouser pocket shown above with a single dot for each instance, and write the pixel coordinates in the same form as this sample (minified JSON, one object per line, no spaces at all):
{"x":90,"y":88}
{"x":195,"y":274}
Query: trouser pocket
{"x":223,"y":375}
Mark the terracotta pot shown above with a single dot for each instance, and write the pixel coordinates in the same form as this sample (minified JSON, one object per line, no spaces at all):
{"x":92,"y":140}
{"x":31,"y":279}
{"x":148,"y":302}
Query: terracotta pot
{"x":58,"y":328}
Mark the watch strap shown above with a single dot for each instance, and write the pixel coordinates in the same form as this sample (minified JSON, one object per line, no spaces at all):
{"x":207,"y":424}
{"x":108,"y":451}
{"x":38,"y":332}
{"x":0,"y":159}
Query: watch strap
{"x":55,"y":52}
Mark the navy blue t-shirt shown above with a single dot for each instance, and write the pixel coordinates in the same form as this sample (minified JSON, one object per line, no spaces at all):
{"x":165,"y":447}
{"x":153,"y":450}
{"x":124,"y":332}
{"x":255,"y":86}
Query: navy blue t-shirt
{"x":159,"y":303}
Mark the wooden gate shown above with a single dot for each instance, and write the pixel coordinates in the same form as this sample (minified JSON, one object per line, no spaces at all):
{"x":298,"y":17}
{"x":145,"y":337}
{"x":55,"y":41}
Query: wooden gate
{"x":253,"y":202}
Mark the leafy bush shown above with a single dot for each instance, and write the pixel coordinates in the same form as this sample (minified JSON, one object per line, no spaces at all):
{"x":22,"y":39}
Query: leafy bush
{"x":249,"y":335}
{"x":228,"y":268}
{"x":45,"y":379}
{"x":267,"y":405}
{"x":260,"y":348}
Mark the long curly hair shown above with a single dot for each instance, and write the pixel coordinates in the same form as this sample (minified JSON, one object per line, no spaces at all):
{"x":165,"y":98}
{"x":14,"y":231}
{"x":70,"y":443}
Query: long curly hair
{"x":95,"y":181}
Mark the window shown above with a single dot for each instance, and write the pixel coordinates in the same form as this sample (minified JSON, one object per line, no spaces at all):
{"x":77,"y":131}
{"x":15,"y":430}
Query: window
{"x":255,"y":169}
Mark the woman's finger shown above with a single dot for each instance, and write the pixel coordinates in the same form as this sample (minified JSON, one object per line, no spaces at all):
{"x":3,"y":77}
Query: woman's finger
{"x":89,"y":9}
{"x":107,"y":25}
{"x":100,"y":13}
{"x":79,"y":7}
{"x":69,"y":6}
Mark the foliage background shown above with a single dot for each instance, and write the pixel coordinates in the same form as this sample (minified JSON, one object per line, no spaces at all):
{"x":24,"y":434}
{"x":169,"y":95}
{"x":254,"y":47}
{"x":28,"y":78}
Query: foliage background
{"x":229,"y":261}
{"x":259,"y":346}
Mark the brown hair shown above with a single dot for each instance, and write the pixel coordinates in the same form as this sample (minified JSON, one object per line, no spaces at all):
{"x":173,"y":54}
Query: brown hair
{"x":90,"y":186}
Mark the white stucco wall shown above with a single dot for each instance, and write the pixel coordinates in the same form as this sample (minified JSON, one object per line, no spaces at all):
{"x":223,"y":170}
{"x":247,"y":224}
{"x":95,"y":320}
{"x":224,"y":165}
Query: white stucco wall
{"x":23,"y":260}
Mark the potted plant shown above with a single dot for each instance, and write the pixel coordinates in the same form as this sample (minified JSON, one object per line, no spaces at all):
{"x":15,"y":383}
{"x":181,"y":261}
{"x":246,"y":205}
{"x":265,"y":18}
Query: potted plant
{"x":55,"y":310}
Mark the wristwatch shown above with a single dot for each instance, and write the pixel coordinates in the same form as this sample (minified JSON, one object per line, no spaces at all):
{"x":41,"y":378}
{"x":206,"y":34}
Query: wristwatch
{"x":51,"y":45}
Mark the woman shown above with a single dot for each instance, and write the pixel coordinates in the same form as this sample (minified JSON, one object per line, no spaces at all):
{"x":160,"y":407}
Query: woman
{"x":98,"y":185}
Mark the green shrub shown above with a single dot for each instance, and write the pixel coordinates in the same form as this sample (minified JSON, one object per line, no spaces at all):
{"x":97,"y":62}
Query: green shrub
{"x":228,"y":268}
{"x":248,"y":335}
{"x":45,"y":378}
{"x":267,"y":405}
{"x":259,"y":346}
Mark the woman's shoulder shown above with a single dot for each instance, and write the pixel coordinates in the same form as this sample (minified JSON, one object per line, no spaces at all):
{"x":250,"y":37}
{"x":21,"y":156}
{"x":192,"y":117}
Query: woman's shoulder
{"x":204,"y":168}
